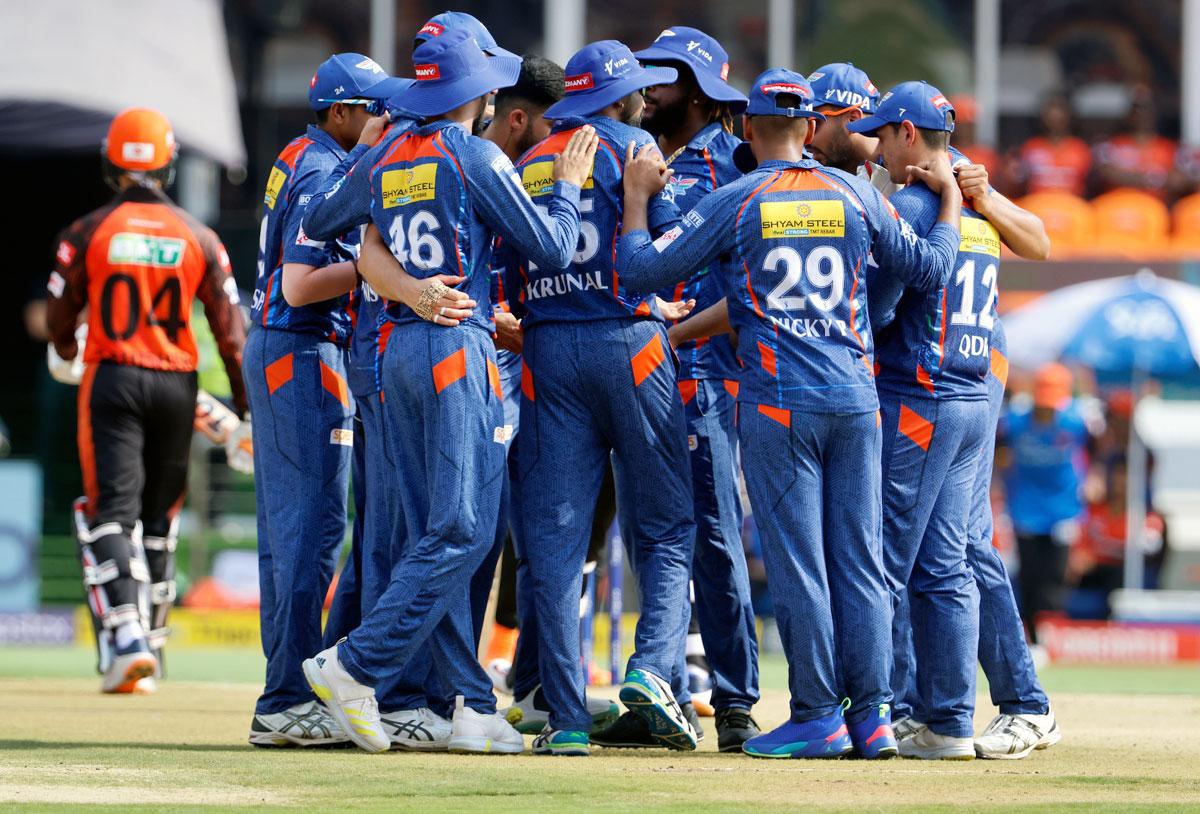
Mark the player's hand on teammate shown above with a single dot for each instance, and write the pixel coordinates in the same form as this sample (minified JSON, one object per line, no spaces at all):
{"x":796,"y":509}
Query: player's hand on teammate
{"x":509,"y":336}
{"x":936,"y":174}
{"x":973,"y":182}
{"x":438,"y":302}
{"x":574,"y":163}
{"x":675,"y":311}
{"x":373,"y":129}
{"x":645,"y":173}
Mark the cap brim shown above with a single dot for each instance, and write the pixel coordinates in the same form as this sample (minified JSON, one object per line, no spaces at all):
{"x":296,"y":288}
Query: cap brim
{"x":714,"y":88}
{"x":497,"y":51}
{"x":434,"y":97}
{"x":588,"y":102}
{"x":867,"y":125}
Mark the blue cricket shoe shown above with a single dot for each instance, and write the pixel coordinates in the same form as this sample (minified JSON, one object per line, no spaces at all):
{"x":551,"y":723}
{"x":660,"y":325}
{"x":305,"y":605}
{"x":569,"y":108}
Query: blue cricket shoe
{"x":825,"y":737}
{"x":872,"y":735}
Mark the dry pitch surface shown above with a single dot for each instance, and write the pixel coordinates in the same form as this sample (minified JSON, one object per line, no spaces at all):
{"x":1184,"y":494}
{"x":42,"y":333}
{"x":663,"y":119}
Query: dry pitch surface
{"x":64,"y":747}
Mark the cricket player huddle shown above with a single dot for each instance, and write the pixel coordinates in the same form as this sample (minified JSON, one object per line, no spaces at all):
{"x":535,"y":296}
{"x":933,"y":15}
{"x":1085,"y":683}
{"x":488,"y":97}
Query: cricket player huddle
{"x":480,"y":289}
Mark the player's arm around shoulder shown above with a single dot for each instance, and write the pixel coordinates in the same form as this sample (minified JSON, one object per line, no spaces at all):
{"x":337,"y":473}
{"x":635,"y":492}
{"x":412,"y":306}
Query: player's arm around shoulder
{"x":1021,"y":230}
{"x":704,"y":233}
{"x":924,"y":262}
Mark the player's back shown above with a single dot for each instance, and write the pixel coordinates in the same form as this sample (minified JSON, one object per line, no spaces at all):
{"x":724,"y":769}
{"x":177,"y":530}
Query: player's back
{"x":145,"y":259}
{"x":939,"y":345}
{"x":422,"y":205}
{"x":590,"y":288}
{"x":295,"y":176}
{"x":799,"y":302}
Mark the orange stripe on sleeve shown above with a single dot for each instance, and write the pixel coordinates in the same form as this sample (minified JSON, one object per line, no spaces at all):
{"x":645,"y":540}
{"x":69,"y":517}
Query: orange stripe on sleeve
{"x":731,"y":387}
{"x":916,"y":428}
{"x":279,"y":373}
{"x":450,"y":370}
{"x":784,"y":417}
{"x":335,"y":383}
{"x":647,"y":360}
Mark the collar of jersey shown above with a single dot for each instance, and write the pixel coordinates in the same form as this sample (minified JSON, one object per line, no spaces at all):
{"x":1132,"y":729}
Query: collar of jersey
{"x":325,"y":140}
{"x":805,"y":163}
{"x":703,"y":138}
{"x":433,"y":127}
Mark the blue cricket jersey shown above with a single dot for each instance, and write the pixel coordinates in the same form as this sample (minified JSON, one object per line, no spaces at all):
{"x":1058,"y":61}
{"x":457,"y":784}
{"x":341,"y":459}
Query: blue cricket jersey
{"x":705,"y":164}
{"x":1045,"y":480}
{"x":939,"y":343}
{"x":341,"y":204}
{"x":439,"y":194}
{"x":802,"y":234}
{"x":295,"y":178}
{"x":591,"y":287}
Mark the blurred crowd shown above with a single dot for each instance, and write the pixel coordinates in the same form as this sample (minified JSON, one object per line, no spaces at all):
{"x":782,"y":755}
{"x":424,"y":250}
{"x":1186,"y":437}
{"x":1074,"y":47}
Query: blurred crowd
{"x":1129,"y":193}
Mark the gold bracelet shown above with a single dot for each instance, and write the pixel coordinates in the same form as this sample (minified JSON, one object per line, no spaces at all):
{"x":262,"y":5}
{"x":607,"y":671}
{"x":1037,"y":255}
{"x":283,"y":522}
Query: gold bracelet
{"x":432,"y":293}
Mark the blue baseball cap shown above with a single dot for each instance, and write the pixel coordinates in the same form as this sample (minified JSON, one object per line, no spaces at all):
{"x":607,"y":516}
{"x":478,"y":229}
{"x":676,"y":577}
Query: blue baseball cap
{"x":770,"y":85}
{"x":916,"y":102}
{"x":842,"y":85}
{"x":704,"y":55}
{"x":599,"y":74}
{"x":451,"y":71}
{"x":454,"y":20}
{"x":350,"y":76}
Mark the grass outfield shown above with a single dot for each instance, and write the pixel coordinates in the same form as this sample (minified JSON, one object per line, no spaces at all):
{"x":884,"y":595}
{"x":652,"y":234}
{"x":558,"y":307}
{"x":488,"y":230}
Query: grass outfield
{"x":1129,"y":745}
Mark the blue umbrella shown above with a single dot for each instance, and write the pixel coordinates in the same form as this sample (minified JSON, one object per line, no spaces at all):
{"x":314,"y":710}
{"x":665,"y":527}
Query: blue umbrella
{"x":1122,"y":328}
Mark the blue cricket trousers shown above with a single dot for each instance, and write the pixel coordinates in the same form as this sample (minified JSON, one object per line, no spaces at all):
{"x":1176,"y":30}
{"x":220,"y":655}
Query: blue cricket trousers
{"x":302,"y":447}
{"x":720,"y":580}
{"x":931,"y":451}
{"x":591,"y":389}
{"x":444,"y":419}
{"x":814,"y":484}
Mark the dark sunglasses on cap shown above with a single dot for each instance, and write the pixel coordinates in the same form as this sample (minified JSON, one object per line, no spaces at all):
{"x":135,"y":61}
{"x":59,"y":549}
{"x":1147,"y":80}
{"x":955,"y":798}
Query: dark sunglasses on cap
{"x":375,"y":107}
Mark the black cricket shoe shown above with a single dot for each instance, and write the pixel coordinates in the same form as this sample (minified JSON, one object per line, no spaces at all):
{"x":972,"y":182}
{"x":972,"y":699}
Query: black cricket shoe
{"x":734,"y":727}
{"x":631,"y":731}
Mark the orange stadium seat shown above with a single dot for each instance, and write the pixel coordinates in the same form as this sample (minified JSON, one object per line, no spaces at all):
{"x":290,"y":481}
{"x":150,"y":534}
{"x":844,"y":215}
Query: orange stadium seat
{"x":1068,"y":219}
{"x":1185,"y":218}
{"x":1131,"y":224}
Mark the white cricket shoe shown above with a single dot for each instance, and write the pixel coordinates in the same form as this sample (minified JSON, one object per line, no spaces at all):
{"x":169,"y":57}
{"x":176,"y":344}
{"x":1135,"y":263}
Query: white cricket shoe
{"x":306,"y":724}
{"x":929,"y":745}
{"x":476,"y":733}
{"x":1012,"y":737}
{"x":421,"y":730}
{"x":351,"y":704}
{"x":531,"y":714}
{"x":906,"y":727}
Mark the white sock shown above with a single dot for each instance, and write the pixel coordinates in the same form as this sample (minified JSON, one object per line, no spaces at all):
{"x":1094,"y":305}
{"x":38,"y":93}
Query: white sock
{"x":128,"y":633}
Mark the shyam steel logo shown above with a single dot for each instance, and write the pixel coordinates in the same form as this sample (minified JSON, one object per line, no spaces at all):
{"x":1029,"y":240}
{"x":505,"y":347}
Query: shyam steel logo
{"x":782,"y":219}
{"x":538,"y":178}
{"x":133,"y":249}
{"x":978,"y":237}
{"x":402,"y":187}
